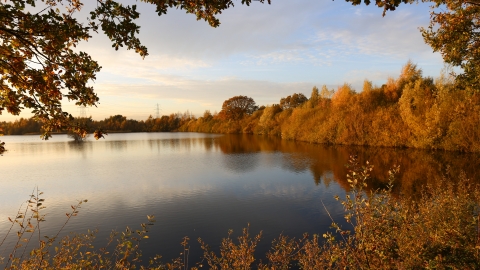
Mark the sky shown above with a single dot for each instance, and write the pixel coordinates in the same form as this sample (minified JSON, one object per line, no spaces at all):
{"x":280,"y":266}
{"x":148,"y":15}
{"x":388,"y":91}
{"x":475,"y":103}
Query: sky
{"x":262,"y":51}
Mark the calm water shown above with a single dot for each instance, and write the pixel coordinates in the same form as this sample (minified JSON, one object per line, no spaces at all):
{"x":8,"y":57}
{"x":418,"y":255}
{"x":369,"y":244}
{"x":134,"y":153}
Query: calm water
{"x":199,"y":185}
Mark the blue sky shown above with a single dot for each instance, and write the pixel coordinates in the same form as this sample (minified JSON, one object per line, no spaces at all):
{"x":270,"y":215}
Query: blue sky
{"x":263,"y":51}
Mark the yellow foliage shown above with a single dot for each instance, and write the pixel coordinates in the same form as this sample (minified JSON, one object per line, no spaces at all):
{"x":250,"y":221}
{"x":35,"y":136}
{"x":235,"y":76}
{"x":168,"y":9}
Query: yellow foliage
{"x":411,"y":111}
{"x":391,"y":91}
{"x":342,"y":97}
{"x":267,"y":120}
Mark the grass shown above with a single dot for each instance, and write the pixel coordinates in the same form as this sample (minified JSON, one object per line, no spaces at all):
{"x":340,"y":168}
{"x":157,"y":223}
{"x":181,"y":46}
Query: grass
{"x":438,"y":230}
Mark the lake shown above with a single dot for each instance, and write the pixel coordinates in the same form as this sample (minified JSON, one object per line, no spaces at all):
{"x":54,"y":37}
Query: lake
{"x":201,"y":185}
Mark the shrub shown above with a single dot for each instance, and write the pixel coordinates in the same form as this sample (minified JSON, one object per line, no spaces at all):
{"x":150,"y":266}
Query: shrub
{"x":438,"y":230}
{"x":74,"y":251}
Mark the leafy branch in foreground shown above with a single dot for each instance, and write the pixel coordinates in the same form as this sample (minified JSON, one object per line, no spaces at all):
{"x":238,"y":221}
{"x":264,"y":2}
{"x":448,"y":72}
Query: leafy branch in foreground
{"x":39,"y":65}
{"x":232,"y":256}
{"x":74,"y":250}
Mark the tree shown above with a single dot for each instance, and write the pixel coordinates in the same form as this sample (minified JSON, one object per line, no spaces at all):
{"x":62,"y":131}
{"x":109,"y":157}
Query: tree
{"x":237,"y":107}
{"x":207,"y":115}
{"x":315,"y":95}
{"x":292,"y":101}
{"x":325,"y":93}
{"x":39,"y":66}
{"x":454,"y":32}
{"x":343,"y":96}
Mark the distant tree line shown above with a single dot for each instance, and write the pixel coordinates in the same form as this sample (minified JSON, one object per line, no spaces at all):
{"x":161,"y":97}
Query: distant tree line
{"x":21,"y":127}
{"x":116,"y":123}
{"x":409,"y":111}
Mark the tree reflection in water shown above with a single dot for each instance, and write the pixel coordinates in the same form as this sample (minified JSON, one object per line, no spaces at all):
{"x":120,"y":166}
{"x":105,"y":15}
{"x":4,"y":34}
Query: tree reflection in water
{"x":327,"y":163}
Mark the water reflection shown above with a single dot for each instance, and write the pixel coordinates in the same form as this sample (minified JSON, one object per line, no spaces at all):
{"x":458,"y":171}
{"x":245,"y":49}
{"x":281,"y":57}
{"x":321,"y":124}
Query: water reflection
{"x":327,"y":163}
{"x":245,"y":153}
{"x":201,"y":185}
{"x":241,"y":144}
{"x":241,"y":163}
{"x":80,"y":147}
{"x":296,"y":162}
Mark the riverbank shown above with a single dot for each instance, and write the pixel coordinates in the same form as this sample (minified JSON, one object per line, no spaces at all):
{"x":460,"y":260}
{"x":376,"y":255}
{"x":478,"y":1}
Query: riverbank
{"x":411,"y":111}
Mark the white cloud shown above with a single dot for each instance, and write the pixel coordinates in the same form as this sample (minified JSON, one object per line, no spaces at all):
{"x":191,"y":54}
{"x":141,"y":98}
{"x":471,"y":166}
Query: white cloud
{"x":178,"y":94}
{"x":368,"y":35}
{"x":262,"y":51}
